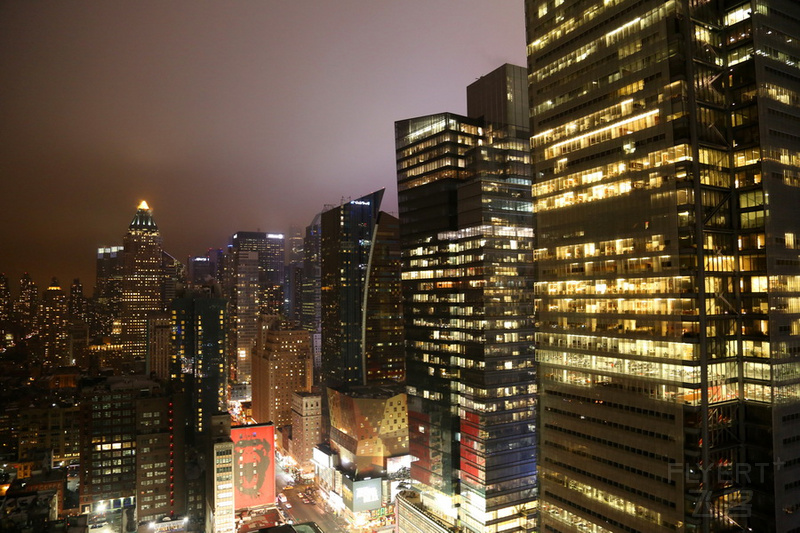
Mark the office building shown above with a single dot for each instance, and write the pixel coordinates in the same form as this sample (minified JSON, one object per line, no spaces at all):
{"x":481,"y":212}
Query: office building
{"x":199,"y":354}
{"x":160,"y":349}
{"x":6,"y":302}
{"x":54,"y":328}
{"x":274,"y":260}
{"x":360,"y":291}
{"x":77,"y":305}
{"x":131,"y":450}
{"x":311,"y":317}
{"x":26,"y":306}
{"x":667,"y":180}
{"x":6,"y":310}
{"x":465,"y":227}
{"x":243,"y":290}
{"x":142,"y":281}
{"x":282,"y":365}
{"x":106,"y":305}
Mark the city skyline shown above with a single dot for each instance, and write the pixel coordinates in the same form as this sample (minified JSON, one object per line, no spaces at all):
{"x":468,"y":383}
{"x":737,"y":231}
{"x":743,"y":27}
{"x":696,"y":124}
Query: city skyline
{"x":207,"y":116}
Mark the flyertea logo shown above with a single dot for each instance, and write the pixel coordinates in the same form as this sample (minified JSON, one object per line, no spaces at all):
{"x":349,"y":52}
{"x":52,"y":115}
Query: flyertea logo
{"x":738,"y":474}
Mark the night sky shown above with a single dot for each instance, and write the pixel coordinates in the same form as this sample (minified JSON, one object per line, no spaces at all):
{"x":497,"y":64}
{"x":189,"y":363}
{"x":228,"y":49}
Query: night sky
{"x":224,"y":116}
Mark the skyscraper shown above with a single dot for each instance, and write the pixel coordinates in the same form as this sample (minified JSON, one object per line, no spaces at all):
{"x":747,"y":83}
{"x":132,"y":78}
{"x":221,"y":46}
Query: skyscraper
{"x":142,"y":281}
{"x":200,"y":362}
{"x":273,"y":261}
{"x":311,"y":318}
{"x":26,"y":306}
{"x":360,"y":276}
{"x":667,"y":180}
{"x":54,"y":328}
{"x":243,"y":288}
{"x":107,"y":301}
{"x":465,"y":223}
{"x":6,"y":309}
{"x":77,"y":301}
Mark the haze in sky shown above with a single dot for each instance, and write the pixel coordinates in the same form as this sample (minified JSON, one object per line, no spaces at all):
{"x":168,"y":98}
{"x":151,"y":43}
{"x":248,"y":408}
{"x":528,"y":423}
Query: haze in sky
{"x":224,"y":116}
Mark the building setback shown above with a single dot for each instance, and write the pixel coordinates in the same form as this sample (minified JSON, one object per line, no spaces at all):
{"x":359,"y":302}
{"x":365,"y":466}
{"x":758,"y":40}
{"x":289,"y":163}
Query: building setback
{"x":667,"y":179}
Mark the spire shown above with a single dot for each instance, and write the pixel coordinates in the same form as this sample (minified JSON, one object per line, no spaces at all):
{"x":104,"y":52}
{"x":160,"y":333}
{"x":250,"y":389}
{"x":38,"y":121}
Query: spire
{"x":143,"y":219}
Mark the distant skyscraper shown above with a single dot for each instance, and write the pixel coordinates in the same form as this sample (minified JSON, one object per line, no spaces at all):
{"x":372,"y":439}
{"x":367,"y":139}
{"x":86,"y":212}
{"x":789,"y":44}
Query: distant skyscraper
{"x":142,"y":281}
{"x":106,"y":306}
{"x":667,"y":184}
{"x":77,"y":301}
{"x":26,"y":306}
{"x":54,"y":329}
{"x":464,"y":190}
{"x":203,"y":269}
{"x":361,"y":324}
{"x":274,"y":261}
{"x":311,"y":316}
{"x":6,"y":303}
{"x":243,"y":288}
{"x":282,"y":365}
{"x":6,"y":310}
{"x":198,"y":329}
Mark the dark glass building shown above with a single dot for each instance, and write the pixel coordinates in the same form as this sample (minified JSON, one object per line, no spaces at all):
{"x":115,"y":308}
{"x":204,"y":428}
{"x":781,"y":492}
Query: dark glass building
{"x":199,"y":361}
{"x":667,"y":180}
{"x":360,"y":296}
{"x":464,"y":189}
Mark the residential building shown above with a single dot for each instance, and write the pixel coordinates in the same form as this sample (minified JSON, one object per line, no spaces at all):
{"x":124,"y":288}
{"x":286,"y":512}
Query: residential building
{"x":131,"y":449}
{"x":282,"y":365}
{"x":306,"y":428}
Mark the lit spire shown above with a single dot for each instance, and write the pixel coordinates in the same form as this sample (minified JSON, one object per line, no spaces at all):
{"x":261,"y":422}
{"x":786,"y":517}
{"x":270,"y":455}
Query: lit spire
{"x":143,"y":219}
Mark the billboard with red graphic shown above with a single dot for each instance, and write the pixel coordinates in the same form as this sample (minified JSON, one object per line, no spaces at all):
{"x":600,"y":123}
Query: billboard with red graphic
{"x":254,"y":465}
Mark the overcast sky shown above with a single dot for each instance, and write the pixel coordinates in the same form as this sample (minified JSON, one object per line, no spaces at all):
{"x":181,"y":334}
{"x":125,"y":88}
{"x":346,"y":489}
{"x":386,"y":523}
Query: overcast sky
{"x":224,"y":116}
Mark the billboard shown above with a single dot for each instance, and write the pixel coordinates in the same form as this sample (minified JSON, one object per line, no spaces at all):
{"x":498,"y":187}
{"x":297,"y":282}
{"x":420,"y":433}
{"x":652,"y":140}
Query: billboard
{"x":254,"y":465}
{"x":364,"y":495}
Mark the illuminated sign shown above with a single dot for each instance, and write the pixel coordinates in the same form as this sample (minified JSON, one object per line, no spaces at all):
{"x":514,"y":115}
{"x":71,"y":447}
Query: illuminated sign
{"x":359,"y":202}
{"x":274,"y":235}
{"x":254,"y":463}
{"x":364,"y":495}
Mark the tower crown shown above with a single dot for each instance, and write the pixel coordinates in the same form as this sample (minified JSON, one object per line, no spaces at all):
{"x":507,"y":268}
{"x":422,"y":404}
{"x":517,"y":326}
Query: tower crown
{"x":143,"y":219}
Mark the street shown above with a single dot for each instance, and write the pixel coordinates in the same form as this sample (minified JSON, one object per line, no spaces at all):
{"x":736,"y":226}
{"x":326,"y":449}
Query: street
{"x":306,"y":512}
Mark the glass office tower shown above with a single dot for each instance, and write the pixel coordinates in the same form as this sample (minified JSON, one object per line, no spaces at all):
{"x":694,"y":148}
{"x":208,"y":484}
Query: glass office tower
{"x":465,"y":223}
{"x":667,"y":178}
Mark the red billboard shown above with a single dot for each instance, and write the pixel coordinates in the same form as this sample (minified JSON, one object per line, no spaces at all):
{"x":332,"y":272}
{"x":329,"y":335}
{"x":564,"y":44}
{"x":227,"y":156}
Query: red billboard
{"x":254,"y":464}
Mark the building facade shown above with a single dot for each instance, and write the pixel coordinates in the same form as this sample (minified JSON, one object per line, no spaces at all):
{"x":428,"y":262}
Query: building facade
{"x":282,"y":365}
{"x":306,"y":428}
{"x":465,"y":216}
{"x":199,"y":354}
{"x":142,"y":281}
{"x":667,"y":175}
{"x":361,"y":321}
